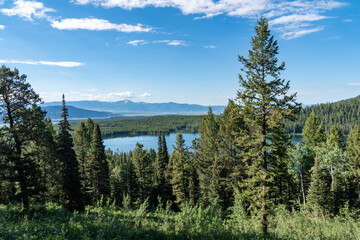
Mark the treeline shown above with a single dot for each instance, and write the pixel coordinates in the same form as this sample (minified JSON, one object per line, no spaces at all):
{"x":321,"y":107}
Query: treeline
{"x":345,"y":114}
{"x":149,"y":125}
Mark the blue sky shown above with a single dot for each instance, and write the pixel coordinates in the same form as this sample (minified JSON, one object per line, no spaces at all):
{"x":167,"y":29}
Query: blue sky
{"x":177,"y":50}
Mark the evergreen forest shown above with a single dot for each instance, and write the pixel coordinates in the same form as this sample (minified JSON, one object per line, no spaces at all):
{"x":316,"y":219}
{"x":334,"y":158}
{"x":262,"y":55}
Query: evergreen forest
{"x":242,"y":179}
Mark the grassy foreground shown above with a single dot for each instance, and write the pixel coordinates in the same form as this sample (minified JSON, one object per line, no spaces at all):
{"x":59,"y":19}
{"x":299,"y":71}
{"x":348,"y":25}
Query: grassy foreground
{"x":109,"y":222}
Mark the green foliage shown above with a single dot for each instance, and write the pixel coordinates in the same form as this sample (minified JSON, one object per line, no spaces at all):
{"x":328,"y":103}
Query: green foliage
{"x":264,"y":106}
{"x":21,"y":128}
{"x":108,"y":222}
{"x":72,"y":197}
{"x":99,"y":167}
{"x":345,"y":114}
{"x":207,"y":160}
{"x":180,"y":170}
{"x":313,"y":132}
{"x":148,"y":125}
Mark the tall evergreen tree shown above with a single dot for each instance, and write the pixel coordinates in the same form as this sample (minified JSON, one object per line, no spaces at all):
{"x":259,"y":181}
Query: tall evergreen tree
{"x":353,"y":157}
{"x":208,"y":159}
{"x":313,"y":132}
{"x":264,"y":105}
{"x":99,"y":167}
{"x":143,"y":169}
{"x":317,"y":198}
{"x":72,"y":198}
{"x":16,"y":97}
{"x":336,"y":138}
{"x":161,"y":163}
{"x":82,"y":142}
{"x":233,"y":169}
{"x":179,"y":169}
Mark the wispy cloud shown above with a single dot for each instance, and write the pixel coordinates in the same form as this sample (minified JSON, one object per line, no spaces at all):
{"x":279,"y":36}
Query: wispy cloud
{"x":137,"y":42}
{"x":288,"y":16}
{"x":300,"y":33}
{"x":47,"y":63}
{"x":109,"y":97}
{"x":347,"y":20}
{"x":27,"y":10}
{"x":209,"y":46}
{"x":96,"y":24}
{"x":353,"y":84}
{"x":172,"y":42}
{"x":2,"y":27}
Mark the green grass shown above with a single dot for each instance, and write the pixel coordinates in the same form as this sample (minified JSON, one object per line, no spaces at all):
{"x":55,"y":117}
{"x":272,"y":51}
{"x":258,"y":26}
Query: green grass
{"x":109,"y":222}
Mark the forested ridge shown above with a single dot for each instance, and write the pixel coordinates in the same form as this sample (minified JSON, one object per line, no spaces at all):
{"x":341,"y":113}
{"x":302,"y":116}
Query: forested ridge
{"x":345,"y":114}
{"x":241,"y":179}
{"x":149,"y":125}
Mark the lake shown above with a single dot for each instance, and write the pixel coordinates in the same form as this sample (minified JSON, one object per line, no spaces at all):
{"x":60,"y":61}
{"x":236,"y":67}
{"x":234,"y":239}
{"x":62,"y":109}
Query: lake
{"x":125,"y":144}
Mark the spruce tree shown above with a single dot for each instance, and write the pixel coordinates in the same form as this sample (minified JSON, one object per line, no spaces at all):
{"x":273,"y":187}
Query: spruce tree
{"x":143,"y":169}
{"x":233,"y":169}
{"x":72,"y":197}
{"x":265,"y":104}
{"x":179,"y":169}
{"x":82,"y":142}
{"x":336,"y":138}
{"x":313,"y":132}
{"x":161,"y":163}
{"x":353,"y":157}
{"x":99,"y":167}
{"x":317,"y":199}
{"x":208,"y":163}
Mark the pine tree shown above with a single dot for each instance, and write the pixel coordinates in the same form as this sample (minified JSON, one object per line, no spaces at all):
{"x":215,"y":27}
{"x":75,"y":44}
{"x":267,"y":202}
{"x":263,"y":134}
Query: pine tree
{"x":336,"y":138}
{"x":353,"y":157}
{"x":72,"y":198}
{"x":99,"y":167}
{"x":313,"y":132}
{"x":264,"y":106}
{"x":16,"y":97}
{"x":233,"y":169}
{"x":161,"y":163}
{"x":179,"y":168}
{"x":45,"y":153}
{"x":82,"y":142}
{"x":143,"y":169}
{"x":317,"y":198}
{"x":207,"y":163}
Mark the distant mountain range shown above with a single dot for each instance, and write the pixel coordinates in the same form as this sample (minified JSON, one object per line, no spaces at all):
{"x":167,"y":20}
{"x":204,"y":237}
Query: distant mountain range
{"x":98,"y":109}
{"x":54,"y":113}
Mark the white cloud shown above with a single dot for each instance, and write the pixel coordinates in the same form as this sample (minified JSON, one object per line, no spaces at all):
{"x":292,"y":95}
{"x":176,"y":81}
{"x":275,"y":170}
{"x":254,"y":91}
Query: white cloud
{"x":96,"y":24}
{"x":353,"y":84}
{"x":27,"y":10}
{"x":77,"y":96}
{"x":296,"y":18}
{"x":48,"y":63}
{"x":347,"y":20}
{"x":209,"y":46}
{"x":137,"y":42}
{"x":289,"y":15}
{"x":300,"y":33}
{"x":145,"y":95}
{"x":2,"y":27}
{"x":172,"y":42}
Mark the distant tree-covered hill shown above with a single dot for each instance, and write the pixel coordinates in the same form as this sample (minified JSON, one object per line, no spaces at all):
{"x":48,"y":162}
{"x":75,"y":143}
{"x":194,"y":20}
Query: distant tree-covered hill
{"x":344,"y":113}
{"x":149,"y":125}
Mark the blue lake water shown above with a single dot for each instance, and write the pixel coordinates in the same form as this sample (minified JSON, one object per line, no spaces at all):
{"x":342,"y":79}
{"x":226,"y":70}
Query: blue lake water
{"x":125,"y":144}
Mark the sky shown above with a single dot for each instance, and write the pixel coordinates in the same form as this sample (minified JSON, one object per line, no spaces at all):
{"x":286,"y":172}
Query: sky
{"x":182,"y":51}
